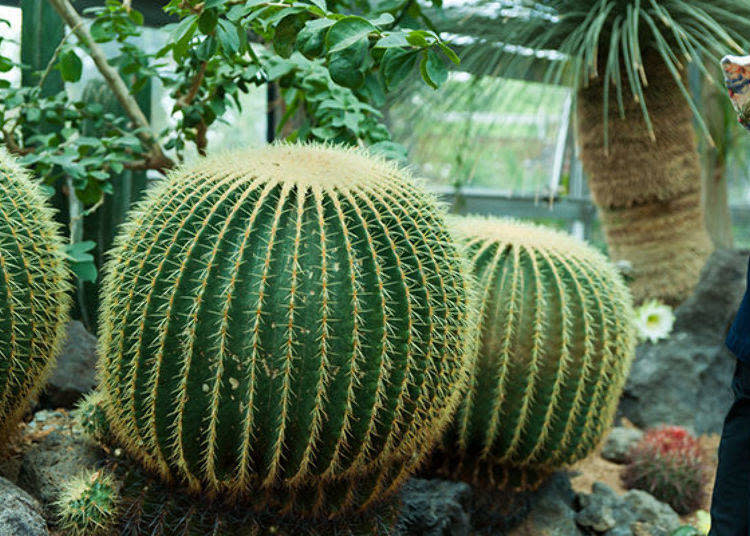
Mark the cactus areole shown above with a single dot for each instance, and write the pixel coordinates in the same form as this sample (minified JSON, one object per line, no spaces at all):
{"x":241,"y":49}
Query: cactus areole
{"x":556,"y":342}
{"x":33,"y":292}
{"x":286,"y":325}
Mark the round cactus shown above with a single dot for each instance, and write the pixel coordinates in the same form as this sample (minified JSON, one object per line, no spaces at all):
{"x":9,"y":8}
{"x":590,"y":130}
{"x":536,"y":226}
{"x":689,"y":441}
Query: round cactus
{"x":669,"y":463}
{"x":556,"y":340}
{"x":285,"y":325}
{"x":92,"y":417}
{"x":89,"y":505}
{"x":33,"y":292}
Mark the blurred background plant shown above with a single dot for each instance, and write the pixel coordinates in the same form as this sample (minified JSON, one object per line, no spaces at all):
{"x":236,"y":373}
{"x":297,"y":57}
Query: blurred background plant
{"x":670,"y":464}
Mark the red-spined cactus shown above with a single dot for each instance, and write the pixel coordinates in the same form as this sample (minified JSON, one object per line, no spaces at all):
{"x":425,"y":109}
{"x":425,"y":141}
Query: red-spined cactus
{"x":669,"y":463}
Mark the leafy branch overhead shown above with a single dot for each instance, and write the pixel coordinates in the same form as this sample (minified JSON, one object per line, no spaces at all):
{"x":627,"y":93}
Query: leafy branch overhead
{"x":334,"y":69}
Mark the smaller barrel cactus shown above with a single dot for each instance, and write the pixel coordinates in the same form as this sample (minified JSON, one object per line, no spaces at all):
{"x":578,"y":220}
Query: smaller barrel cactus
{"x":91,"y":415}
{"x":33,"y":292}
{"x":89,"y":505}
{"x":556,"y":340}
{"x":670,"y":464}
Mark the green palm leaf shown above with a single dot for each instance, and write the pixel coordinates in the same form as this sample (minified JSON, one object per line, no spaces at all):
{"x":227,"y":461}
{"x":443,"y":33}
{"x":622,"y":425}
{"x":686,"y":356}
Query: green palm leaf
{"x":576,"y":42}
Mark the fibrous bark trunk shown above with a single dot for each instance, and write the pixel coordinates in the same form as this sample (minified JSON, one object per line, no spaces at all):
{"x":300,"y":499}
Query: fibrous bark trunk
{"x":648,"y":192}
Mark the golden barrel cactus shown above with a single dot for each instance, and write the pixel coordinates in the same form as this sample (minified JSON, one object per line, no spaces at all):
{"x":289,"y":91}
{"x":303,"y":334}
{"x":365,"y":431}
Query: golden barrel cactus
{"x":286,"y":326}
{"x":33,"y":292}
{"x":556,"y":340}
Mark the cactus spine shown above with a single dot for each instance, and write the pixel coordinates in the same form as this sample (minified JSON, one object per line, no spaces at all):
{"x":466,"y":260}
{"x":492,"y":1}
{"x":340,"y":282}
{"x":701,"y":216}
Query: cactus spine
{"x":284,"y":325}
{"x":33,"y":292}
{"x":556,"y":342}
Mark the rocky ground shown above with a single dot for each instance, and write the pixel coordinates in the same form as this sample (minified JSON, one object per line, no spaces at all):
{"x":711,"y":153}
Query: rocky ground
{"x":52,"y":450}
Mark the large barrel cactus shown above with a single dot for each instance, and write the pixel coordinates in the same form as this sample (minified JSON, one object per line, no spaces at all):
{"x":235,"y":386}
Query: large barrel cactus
{"x":556,"y":343}
{"x":33,"y":292}
{"x":285,"y":325}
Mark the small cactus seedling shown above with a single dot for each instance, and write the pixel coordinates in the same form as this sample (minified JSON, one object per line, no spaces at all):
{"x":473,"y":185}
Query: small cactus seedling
{"x":89,"y":505}
{"x":33,"y":292}
{"x":91,"y":416}
{"x":670,"y":464}
{"x":287,"y":326}
{"x":555,"y":345}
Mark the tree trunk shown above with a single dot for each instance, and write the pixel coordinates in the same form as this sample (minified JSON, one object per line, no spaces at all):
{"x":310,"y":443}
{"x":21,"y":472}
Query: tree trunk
{"x":648,"y":192}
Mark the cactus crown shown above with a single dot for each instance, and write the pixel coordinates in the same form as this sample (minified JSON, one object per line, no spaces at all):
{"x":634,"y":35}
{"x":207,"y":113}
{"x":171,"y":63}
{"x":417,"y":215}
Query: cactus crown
{"x":290,"y":317}
{"x":555,"y":343}
{"x":33,"y":291}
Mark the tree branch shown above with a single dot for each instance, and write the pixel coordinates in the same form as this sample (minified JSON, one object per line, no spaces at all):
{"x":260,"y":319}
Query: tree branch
{"x":115,"y":82}
{"x":189,"y":97}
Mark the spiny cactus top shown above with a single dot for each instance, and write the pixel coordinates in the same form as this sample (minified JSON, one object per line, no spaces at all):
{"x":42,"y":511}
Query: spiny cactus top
{"x":557,"y":339}
{"x":284,"y":317}
{"x":33,"y":291}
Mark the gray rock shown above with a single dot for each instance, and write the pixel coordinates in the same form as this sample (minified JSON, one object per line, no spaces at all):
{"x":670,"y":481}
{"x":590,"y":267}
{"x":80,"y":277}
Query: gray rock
{"x":598,"y":509}
{"x":636,"y":513}
{"x":686,"y":379}
{"x":619,"y":442}
{"x":20,"y":514}
{"x":434,"y":508}
{"x":657,"y":517}
{"x":55,"y":460}
{"x":75,"y":373}
{"x":552,"y":511}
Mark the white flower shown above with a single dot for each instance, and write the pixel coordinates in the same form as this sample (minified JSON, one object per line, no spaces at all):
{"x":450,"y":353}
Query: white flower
{"x":654,"y":321}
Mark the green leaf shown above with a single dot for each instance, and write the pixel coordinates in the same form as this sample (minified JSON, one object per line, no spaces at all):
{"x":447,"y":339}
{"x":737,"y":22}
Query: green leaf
{"x":79,"y":251}
{"x":102,"y":31}
{"x":226,"y":33}
{"x":345,"y":66}
{"x":346,"y":32}
{"x":389,"y":149}
{"x":84,"y":271}
{"x":434,"y":68}
{"x":384,"y":19}
{"x":207,"y":21}
{"x":418,"y":38}
{"x":374,"y":90}
{"x":279,"y":68}
{"x":397,"y":65}
{"x":421,"y":38}
{"x":213,"y":3}
{"x":311,"y":41}
{"x":448,"y":51}
{"x":182,"y":34}
{"x":71,"y":66}
{"x":136,"y":16}
{"x":321,"y":4}
{"x":286,"y":34}
{"x":393,"y":39}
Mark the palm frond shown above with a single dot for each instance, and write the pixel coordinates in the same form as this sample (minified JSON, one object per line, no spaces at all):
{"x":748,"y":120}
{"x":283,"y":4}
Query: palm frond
{"x":579,"y":42}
